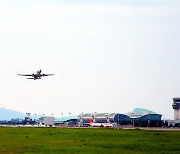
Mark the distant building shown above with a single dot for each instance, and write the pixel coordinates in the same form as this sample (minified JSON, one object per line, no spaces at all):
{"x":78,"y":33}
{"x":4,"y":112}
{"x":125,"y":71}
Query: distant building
{"x":84,"y":117}
{"x":139,"y":117}
{"x":69,"y":121}
{"x":176,"y":107}
{"x":173,"y":123}
{"x":47,"y":121}
{"x":144,"y":117}
{"x":105,"y":118}
{"x":28,"y":119}
{"x":122,"y":119}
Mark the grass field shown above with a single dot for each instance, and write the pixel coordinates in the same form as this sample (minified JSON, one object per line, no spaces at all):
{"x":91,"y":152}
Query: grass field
{"x":87,"y":140}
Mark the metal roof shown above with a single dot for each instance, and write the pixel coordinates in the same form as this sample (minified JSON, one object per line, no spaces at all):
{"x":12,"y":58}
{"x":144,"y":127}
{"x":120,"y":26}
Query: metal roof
{"x":101,"y":115}
{"x":142,"y":111}
{"x":66,"y":118}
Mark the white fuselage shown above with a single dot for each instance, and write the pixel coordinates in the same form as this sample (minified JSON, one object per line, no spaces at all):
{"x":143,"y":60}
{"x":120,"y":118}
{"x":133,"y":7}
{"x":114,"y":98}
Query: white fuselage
{"x":101,"y":125}
{"x":37,"y":75}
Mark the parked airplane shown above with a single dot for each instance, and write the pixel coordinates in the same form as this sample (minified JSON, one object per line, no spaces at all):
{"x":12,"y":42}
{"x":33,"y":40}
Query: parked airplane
{"x":99,"y":124}
{"x":35,"y":76}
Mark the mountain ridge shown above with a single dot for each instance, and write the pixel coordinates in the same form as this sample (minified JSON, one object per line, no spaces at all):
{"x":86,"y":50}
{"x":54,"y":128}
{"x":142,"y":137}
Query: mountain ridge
{"x":8,"y":114}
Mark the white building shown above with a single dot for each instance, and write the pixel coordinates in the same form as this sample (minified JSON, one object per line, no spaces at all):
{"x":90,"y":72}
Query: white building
{"x":47,"y":121}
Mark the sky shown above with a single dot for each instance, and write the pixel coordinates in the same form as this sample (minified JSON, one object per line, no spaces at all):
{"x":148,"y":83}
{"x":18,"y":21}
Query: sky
{"x":107,"y":56}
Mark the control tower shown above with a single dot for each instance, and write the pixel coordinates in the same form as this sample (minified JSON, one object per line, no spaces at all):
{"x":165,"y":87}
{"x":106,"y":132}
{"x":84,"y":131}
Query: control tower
{"x":176,"y":107}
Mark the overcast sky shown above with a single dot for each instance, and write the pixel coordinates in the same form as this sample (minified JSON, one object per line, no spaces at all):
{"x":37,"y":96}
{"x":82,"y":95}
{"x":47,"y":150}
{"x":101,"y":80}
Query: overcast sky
{"x":107,"y":55}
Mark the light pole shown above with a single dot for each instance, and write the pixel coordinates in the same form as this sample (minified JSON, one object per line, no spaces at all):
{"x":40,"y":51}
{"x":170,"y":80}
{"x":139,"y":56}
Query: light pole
{"x":149,"y":120}
{"x":133,"y":116}
{"x":118,"y":120}
{"x":35,"y":118}
{"x":94,"y":117}
{"x":133,"y":121}
{"x":69,"y":121}
{"x":62,"y":116}
{"x":107,"y":119}
{"x":82,"y":117}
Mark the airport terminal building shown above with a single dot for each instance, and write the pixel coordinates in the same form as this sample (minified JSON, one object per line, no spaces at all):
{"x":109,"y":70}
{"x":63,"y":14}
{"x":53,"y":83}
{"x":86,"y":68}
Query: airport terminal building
{"x":105,"y":118}
{"x":138,"y":117}
{"x":143,"y":117}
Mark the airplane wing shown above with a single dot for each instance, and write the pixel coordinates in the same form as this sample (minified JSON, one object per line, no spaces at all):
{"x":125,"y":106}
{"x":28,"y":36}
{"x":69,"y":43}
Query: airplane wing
{"x":25,"y":74}
{"x":47,"y":74}
{"x":33,"y":78}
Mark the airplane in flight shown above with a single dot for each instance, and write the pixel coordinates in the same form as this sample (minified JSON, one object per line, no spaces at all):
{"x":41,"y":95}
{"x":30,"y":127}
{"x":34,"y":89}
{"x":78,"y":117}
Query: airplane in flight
{"x":99,"y":124}
{"x":35,"y":76}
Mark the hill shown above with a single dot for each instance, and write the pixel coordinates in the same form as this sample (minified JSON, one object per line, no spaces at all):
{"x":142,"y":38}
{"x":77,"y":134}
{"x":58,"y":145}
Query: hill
{"x":6,"y":114}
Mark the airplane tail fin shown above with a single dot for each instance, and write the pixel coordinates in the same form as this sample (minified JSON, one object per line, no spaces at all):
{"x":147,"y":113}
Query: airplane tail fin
{"x":90,"y":121}
{"x":38,"y":72}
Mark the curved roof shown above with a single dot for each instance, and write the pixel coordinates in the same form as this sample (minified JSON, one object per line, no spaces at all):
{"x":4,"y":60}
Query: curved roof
{"x":98,"y":115}
{"x":111,"y":115}
{"x":87,"y":115}
{"x":142,"y":111}
{"x":66,"y":118}
{"x":150,"y":117}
